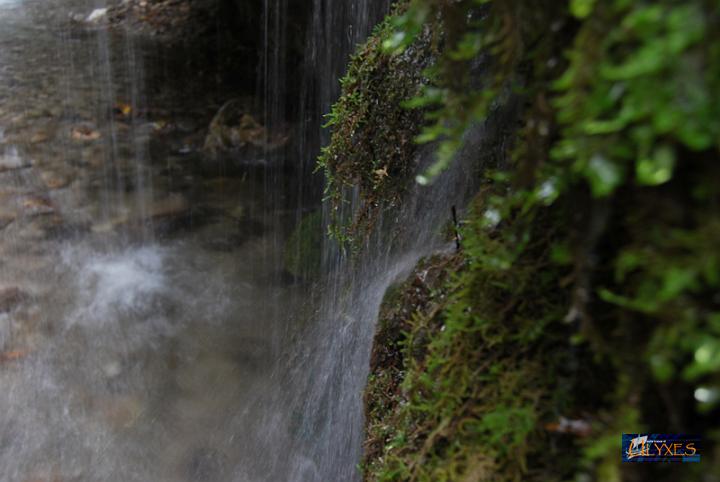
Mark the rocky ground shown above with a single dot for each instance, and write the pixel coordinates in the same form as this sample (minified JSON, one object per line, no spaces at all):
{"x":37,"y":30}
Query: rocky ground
{"x":165,"y":18}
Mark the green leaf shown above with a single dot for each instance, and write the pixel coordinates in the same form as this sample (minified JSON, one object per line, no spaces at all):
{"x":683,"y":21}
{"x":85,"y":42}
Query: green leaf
{"x":662,"y":368}
{"x":604,"y":175}
{"x":658,"y":168}
{"x":582,"y":8}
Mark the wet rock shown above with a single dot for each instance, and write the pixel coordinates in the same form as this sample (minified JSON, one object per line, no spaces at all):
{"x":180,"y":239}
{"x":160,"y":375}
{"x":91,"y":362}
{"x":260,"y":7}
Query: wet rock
{"x":164,"y":18}
{"x":55,"y":180}
{"x":36,"y":206}
{"x":39,"y":137}
{"x":253,"y":353}
{"x":224,"y":244}
{"x":234,"y":131}
{"x":205,"y":464}
{"x":172,"y":206}
{"x":112,"y":368}
{"x":111,"y":225}
{"x":165,"y":215}
{"x":13,"y":355}
{"x":10,"y":298}
{"x":29,"y":263}
{"x":55,"y":228}
{"x":303,"y":250}
{"x":46,"y":476}
{"x":84,"y":133}
{"x":119,"y":412}
{"x":97,"y":16}
{"x":11,"y":161}
{"x":122,"y":110}
{"x":67,"y":474}
{"x":250,"y":228}
{"x":227,"y":238}
{"x":6,"y":219}
{"x":28,"y":233}
{"x":92,"y":156}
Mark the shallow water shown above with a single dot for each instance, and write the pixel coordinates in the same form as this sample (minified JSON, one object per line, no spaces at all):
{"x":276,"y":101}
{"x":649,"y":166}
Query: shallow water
{"x":150,"y":340}
{"x":148,"y":330}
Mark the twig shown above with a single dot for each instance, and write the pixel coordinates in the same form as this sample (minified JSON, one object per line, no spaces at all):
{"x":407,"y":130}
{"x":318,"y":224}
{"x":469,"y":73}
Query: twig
{"x":458,"y":239}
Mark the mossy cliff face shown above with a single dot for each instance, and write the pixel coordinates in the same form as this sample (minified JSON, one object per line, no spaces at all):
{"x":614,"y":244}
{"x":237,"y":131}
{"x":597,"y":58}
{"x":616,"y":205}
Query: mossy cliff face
{"x":584,"y":301}
{"x":372,"y":144}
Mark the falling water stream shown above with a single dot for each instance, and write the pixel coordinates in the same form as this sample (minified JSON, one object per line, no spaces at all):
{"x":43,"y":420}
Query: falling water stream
{"x":147,"y":332}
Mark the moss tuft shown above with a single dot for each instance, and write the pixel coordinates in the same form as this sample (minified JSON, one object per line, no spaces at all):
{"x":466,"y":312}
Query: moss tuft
{"x":372,"y":146}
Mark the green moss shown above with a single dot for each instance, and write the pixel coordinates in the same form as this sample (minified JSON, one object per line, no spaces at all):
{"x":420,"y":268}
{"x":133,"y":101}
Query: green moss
{"x":466,"y":369}
{"x":303,"y":250}
{"x":587,"y":287}
{"x":372,"y":145}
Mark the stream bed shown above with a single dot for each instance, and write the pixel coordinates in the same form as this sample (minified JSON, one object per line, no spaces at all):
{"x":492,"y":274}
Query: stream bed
{"x":145,"y":322}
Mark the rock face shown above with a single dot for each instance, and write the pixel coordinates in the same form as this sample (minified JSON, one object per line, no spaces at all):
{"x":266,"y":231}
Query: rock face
{"x":234,"y":132}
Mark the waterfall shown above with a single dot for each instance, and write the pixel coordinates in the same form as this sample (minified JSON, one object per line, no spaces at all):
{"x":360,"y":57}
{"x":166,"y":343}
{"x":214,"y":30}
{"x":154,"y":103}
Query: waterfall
{"x":148,"y":327}
{"x":329,"y":368}
{"x":326,"y":370}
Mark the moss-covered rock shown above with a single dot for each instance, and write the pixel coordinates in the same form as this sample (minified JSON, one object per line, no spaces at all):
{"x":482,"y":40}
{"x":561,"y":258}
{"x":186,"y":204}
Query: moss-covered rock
{"x":466,"y":372}
{"x":303,"y":250}
{"x":372,"y":145}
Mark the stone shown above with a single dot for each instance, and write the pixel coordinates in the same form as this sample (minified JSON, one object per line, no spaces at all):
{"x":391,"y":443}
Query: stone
{"x":12,"y":160}
{"x":111,"y":225}
{"x":206,"y":464}
{"x":84,"y":133}
{"x":119,"y":412}
{"x":39,"y":137}
{"x":112,"y":369}
{"x":98,"y":15}
{"x":6,"y":219}
{"x":234,"y":130}
{"x":171,"y":206}
{"x":302,"y":254}
{"x":230,"y":241}
{"x":55,"y":180}
{"x":55,"y":227}
{"x":10,"y":298}
{"x":36,"y":206}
